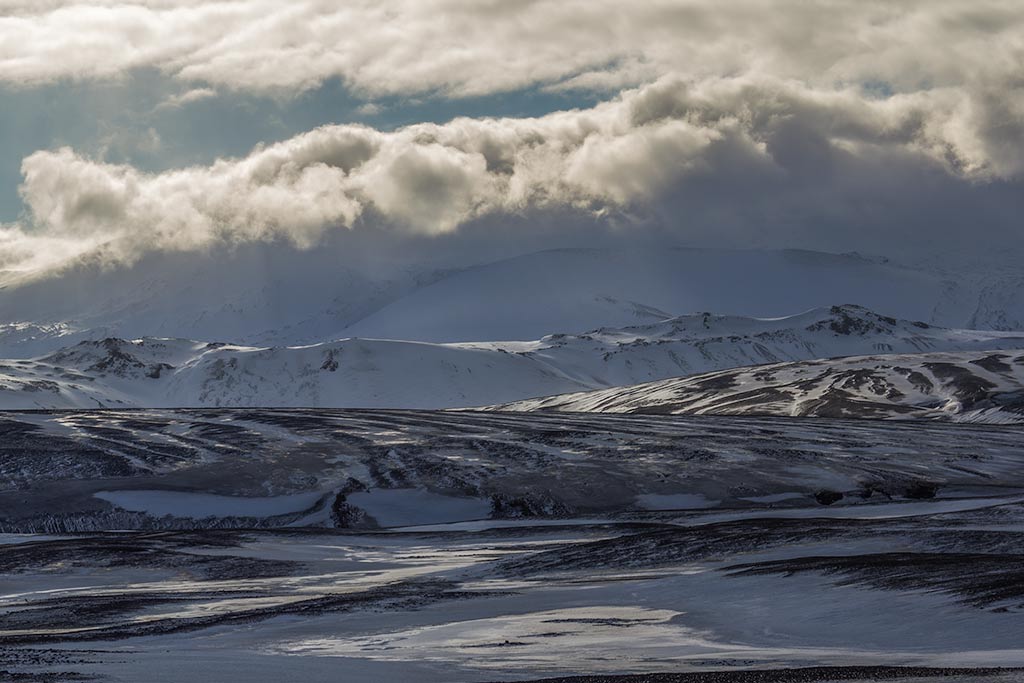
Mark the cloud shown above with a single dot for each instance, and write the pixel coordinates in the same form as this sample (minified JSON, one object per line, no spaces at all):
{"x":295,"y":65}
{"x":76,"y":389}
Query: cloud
{"x":680,"y":152}
{"x":369,"y":109}
{"x":24,"y":253}
{"x":187,"y":97}
{"x":473,"y":47}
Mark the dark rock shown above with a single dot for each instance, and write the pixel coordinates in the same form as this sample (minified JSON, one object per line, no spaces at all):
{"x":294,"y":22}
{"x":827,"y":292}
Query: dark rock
{"x":826,"y":497}
{"x":921,"y":490}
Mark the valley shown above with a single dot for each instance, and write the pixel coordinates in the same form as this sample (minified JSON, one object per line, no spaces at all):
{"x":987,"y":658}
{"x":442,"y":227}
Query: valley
{"x":498,"y":547}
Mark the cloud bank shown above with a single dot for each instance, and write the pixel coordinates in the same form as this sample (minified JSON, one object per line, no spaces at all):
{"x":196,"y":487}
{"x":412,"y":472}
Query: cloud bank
{"x":466,"y":47}
{"x":763,"y":121}
{"x":641,"y":148}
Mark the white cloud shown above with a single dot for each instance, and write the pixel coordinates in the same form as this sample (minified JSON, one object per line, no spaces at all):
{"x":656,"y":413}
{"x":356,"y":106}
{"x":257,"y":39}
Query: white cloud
{"x":467,"y":47}
{"x":25,"y":253}
{"x":187,"y":97}
{"x":430,"y":179}
{"x":369,"y":109}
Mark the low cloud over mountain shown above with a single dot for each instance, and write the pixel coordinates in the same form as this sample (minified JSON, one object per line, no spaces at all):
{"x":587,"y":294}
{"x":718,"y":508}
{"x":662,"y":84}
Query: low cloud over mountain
{"x":852,"y":125}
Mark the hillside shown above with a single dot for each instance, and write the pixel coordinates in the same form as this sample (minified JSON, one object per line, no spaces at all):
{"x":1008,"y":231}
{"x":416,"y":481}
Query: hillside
{"x":574,"y":290}
{"x":396,"y":374}
{"x":253,"y":294}
{"x":975,"y":387}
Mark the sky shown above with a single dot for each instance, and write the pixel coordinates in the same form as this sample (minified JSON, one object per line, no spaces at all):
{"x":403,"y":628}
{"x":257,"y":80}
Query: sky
{"x":486,"y":127}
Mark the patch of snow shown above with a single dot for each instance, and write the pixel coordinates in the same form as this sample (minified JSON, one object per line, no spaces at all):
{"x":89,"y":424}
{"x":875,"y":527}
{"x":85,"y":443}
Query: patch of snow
{"x":774,"y":498}
{"x":409,"y":507}
{"x":675,"y":501}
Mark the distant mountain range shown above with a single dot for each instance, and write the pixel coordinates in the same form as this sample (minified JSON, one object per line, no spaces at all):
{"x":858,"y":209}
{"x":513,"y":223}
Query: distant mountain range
{"x":270,"y":295}
{"x":154,"y":372}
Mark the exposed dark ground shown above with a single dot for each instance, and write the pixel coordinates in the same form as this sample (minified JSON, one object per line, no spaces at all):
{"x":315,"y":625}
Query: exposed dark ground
{"x":804,"y":675}
{"x":908,"y":569}
{"x":522,"y":465}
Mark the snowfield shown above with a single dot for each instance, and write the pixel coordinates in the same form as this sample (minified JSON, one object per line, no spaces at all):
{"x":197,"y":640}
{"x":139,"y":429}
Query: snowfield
{"x":395,"y":374}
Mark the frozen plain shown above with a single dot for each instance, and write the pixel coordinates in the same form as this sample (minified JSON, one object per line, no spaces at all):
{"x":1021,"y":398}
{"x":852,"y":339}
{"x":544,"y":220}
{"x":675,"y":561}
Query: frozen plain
{"x":386,"y":545}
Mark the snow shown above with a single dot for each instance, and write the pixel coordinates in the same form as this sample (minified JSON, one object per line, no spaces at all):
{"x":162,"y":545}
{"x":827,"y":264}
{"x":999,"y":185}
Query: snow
{"x":967,"y":387}
{"x":256,"y":294}
{"x":862,"y":511}
{"x":269,"y":295}
{"x":574,"y":290}
{"x":155,"y":372}
{"x":773,"y":498}
{"x":404,"y":507}
{"x":591,"y":637}
{"x":489,"y":524}
{"x":445,"y":593}
{"x":675,"y":501}
{"x":426,"y":468}
{"x":605,"y":589}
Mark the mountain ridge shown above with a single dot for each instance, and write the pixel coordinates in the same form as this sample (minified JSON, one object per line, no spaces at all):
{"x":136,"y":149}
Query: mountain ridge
{"x":273,"y":296}
{"x":977,"y":386}
{"x":356,"y":372}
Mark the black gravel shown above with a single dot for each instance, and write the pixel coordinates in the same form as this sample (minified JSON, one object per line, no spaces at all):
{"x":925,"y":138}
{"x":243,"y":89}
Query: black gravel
{"x":822,"y":674}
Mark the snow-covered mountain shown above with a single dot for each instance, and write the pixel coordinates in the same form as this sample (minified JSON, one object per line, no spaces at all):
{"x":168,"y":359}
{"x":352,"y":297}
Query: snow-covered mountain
{"x":383,"y":373}
{"x":964,"y":386}
{"x":347,"y":373}
{"x":255,"y":294}
{"x":574,"y":290}
{"x":1000,"y":303}
{"x":262,"y":295}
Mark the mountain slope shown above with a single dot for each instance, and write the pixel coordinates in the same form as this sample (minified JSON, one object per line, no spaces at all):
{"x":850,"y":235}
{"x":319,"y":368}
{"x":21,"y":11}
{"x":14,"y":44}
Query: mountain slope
{"x":701,"y":343}
{"x":573,"y":290}
{"x":254,"y":294}
{"x":352,"y":372}
{"x":383,"y":373}
{"x":976,"y":386}
{"x":272,"y":294}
